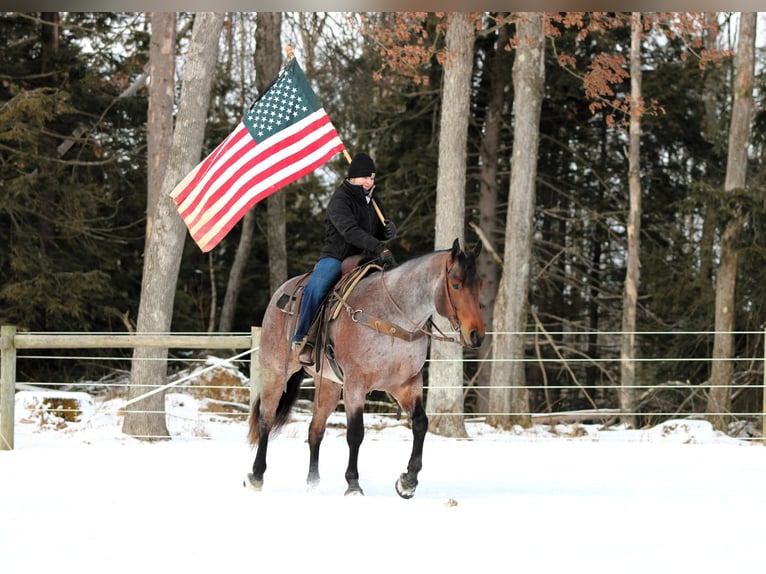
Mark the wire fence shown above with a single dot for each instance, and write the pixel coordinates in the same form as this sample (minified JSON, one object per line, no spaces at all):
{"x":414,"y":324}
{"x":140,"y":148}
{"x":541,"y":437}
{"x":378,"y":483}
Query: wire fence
{"x":563,"y":383}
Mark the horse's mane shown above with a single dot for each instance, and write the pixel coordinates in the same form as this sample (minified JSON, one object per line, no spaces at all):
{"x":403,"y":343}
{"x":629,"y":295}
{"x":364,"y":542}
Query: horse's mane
{"x":415,"y":259}
{"x":468,"y":263}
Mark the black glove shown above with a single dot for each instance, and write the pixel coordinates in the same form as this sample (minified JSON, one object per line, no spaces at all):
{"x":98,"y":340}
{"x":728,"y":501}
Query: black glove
{"x":386,"y":259}
{"x":389,"y":232}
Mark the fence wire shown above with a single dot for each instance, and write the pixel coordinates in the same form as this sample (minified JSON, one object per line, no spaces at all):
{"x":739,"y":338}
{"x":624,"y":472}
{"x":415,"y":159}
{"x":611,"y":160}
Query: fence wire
{"x":188,"y":365}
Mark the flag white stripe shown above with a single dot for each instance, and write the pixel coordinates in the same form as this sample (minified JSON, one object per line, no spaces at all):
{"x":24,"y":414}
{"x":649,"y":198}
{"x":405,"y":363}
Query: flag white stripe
{"x":220,"y":209}
{"x":266,"y":184}
{"x":221,"y":178}
{"x":198,"y":219}
{"x":194,"y":196}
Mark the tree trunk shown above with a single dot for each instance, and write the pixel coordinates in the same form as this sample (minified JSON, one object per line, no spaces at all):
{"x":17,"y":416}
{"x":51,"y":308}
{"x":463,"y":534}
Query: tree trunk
{"x":488,"y":267}
{"x":146,"y":417}
{"x":722,"y":369}
{"x":159,"y":123}
{"x":267,"y":63}
{"x":236,"y":273}
{"x":508,"y":392}
{"x":50,"y":39}
{"x":445,"y":371}
{"x":632,"y":273}
{"x":268,"y":60}
{"x":712,"y":81}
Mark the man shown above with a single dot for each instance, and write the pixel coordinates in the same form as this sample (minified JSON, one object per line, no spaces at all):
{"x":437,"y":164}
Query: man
{"x":352,"y":227}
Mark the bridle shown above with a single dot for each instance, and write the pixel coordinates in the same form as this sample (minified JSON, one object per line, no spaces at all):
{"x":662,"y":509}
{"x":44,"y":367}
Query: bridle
{"x":454,"y":318}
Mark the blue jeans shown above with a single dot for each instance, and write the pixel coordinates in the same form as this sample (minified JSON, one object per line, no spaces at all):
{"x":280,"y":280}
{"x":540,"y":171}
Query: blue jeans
{"x":326,"y":274}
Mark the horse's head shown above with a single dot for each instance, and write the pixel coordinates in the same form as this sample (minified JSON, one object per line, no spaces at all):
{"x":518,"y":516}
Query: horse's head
{"x":458,"y":299}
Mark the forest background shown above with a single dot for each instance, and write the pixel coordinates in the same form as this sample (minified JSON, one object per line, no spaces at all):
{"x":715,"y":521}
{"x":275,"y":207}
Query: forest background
{"x":76,"y":189}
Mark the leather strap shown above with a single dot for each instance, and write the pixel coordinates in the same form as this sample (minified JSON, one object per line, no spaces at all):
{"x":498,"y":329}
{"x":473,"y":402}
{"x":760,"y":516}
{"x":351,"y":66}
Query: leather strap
{"x":381,"y":326}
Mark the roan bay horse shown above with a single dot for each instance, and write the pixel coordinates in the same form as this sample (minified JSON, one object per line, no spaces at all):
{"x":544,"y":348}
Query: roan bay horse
{"x":379,"y":341}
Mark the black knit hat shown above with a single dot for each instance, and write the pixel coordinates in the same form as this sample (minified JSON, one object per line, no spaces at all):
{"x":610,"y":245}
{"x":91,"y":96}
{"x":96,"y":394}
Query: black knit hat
{"x":361,"y":166}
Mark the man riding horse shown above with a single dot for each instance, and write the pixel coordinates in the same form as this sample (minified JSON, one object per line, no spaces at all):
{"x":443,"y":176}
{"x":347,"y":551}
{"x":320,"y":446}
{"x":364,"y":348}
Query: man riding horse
{"x":354,"y":225}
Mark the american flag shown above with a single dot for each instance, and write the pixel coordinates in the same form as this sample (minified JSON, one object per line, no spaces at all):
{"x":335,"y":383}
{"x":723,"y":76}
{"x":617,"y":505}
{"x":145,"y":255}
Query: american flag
{"x":284,"y":135}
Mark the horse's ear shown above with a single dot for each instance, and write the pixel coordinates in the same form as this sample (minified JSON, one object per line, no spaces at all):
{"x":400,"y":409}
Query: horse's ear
{"x":455,"y":248}
{"x":477,"y":248}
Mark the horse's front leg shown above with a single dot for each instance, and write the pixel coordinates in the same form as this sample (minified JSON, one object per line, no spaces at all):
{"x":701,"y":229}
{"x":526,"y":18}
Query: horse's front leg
{"x":354,"y":438}
{"x":326,"y":398}
{"x":408,"y":481}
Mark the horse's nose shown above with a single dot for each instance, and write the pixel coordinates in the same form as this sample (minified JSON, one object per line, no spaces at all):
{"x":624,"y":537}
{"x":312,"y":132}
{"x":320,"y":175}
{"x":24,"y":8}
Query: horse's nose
{"x":476,"y":339}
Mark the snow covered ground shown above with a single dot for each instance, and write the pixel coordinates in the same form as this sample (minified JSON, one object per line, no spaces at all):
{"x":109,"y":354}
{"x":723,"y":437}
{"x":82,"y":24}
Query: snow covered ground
{"x":82,"y":497}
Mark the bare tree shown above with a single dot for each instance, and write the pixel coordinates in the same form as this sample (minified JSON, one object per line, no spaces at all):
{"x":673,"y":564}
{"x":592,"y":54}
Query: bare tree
{"x":508,"y":393}
{"x":722,"y":369}
{"x":268,"y":63}
{"x":632,"y":274}
{"x":159,"y":123}
{"x":146,"y":417}
{"x":445,"y":371}
{"x":489,"y":267}
{"x":712,"y":81}
{"x":268,"y":59}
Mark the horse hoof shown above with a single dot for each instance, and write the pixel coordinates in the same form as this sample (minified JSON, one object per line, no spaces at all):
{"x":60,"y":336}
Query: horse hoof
{"x":403,"y":489}
{"x":252,"y":483}
{"x":354,"y":491}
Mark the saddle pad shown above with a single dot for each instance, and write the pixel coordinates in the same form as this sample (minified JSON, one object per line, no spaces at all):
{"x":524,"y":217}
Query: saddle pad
{"x":347,"y":284}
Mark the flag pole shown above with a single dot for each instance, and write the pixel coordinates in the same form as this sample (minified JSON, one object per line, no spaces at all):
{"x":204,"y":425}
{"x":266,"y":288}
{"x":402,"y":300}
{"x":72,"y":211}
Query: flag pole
{"x":291,"y":55}
{"x":377,"y":210}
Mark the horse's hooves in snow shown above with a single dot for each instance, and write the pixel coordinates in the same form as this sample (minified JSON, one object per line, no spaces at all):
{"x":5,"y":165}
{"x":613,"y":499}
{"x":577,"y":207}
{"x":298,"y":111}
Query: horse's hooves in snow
{"x":252,"y":483}
{"x":403,"y":489}
{"x":354,"y":491}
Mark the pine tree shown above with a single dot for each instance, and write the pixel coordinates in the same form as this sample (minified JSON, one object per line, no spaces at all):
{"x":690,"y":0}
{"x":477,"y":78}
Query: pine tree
{"x":67,"y":209}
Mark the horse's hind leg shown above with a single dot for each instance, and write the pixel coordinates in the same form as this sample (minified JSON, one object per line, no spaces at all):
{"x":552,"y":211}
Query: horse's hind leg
{"x":326,"y":398}
{"x":254,"y":479}
{"x":270,"y":411}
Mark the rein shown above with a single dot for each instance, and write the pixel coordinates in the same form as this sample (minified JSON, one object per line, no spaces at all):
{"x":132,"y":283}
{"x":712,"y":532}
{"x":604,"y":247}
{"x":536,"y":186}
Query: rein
{"x":387,"y":328}
{"x":455,"y":318}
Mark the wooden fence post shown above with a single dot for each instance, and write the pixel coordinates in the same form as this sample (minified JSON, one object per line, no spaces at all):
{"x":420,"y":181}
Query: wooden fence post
{"x":255,"y":368}
{"x":7,"y":386}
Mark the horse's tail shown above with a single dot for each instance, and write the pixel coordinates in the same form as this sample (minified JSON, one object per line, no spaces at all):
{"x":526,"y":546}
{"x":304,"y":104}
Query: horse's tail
{"x":286,"y":402}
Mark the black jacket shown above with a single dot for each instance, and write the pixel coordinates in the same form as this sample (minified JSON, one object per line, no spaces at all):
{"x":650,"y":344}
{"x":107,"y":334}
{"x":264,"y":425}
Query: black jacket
{"x":351,"y":224}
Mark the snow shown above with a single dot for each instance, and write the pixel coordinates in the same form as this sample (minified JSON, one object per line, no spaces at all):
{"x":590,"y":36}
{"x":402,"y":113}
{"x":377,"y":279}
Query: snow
{"x":79,"y":496}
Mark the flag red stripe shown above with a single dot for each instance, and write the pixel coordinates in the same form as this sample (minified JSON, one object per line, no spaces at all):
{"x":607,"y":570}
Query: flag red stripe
{"x":233,"y":139}
{"x":228,"y":172}
{"x":262,"y":184}
{"x":232,"y":219}
{"x":225,"y":159}
{"x":251,"y":171}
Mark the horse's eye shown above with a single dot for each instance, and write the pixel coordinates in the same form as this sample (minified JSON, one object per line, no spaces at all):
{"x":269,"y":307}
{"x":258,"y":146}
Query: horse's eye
{"x":456,"y":286}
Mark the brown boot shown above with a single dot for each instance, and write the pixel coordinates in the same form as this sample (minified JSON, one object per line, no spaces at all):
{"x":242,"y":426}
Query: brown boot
{"x":306,"y":355}
{"x":297,"y":346}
